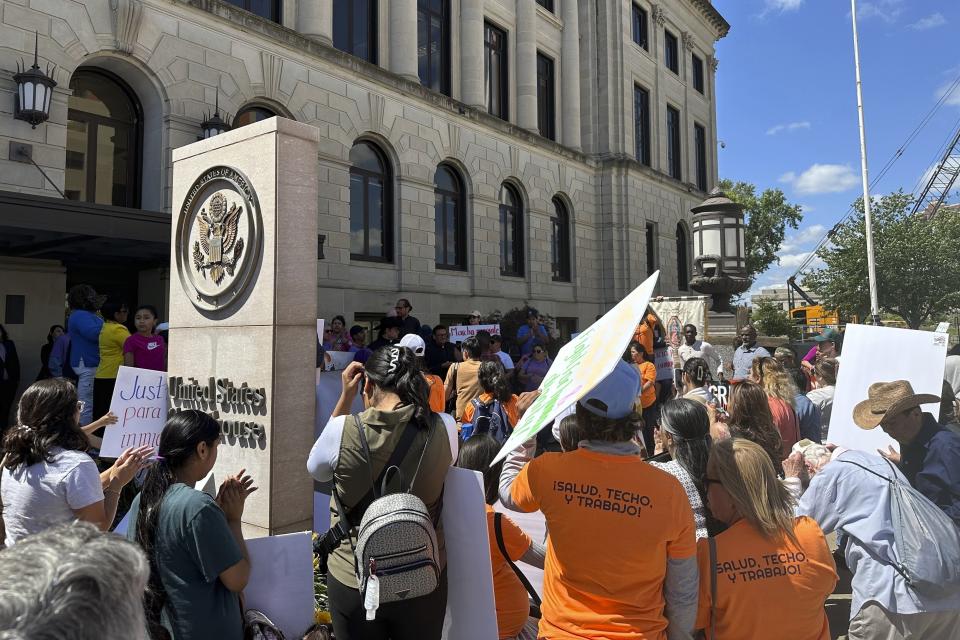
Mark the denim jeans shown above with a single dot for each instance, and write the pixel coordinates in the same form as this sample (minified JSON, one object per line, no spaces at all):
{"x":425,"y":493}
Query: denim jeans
{"x":85,"y":391}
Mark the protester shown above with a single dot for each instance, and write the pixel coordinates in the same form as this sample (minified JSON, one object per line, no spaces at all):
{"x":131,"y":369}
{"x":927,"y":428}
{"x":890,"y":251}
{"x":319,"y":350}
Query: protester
{"x":409,"y":323}
{"x":510,"y":595}
{"x":808,"y":414}
{"x":338,"y":338}
{"x":647,"y":398}
{"x":532,"y":334}
{"x":198,"y":559}
{"x":569,"y":434}
{"x":496,"y":344}
{"x":9,"y":377}
{"x":769,"y":570}
{"x":929,"y":454}
{"x":685,"y":435}
{"x":46,"y":477}
{"x":441,"y":354}
{"x":84,"y":327}
{"x":358,"y":338}
{"x":60,"y":359}
{"x":437,"y":394}
{"x":534,"y":368}
{"x":645,"y":330}
{"x":824,"y":386}
{"x":693,"y":348}
{"x":55,"y":332}
{"x":462,"y":382}
{"x":388,"y":333}
{"x":113,"y":334}
{"x":72,"y":581}
{"x":781,"y":392}
{"x":473,"y":319}
{"x":851,"y":495}
{"x":496,"y":400}
{"x":746,"y":352}
{"x":696,"y":380}
{"x":145,"y":349}
{"x":750,"y":418}
{"x":621,"y":551}
{"x":828,"y":345}
{"x":395,"y":397}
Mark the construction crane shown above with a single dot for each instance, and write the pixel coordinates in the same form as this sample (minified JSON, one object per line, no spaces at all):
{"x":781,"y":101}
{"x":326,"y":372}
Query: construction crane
{"x":937,"y":189}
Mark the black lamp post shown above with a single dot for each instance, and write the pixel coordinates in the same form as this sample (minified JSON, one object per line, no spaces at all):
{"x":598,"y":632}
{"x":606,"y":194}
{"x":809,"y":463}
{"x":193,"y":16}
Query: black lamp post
{"x":34,"y":89}
{"x":214,"y":125}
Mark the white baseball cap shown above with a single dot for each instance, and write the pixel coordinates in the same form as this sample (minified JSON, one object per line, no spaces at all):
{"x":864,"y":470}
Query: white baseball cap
{"x":413,"y":342}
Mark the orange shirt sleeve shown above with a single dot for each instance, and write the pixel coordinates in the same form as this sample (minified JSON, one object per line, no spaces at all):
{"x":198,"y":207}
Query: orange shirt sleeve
{"x":511,"y":410}
{"x":437,"y":394}
{"x":514,"y":539}
{"x":704,"y":601}
{"x":524,"y":488}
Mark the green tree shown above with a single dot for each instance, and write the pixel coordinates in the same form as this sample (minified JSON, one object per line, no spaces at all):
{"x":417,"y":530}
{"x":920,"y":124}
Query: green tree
{"x":771,"y":320}
{"x":767,"y":217}
{"x":917,"y":262}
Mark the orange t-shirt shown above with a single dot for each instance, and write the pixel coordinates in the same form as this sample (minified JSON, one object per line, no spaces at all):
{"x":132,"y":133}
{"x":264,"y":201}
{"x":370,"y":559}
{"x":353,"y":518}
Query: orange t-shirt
{"x":513,"y":604}
{"x":644,"y":333}
{"x":614,"y":520}
{"x":437,"y":393}
{"x":768,"y":588}
{"x":509,"y":408}
{"x":648,"y":373}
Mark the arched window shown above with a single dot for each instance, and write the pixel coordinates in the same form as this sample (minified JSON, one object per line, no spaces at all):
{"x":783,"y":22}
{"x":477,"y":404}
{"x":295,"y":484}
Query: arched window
{"x":104,"y":136}
{"x":560,"y":242}
{"x":683,"y":272}
{"x":511,"y":231}
{"x":250,"y":114}
{"x":355,"y":28}
{"x":450,"y":216}
{"x":371,"y":219}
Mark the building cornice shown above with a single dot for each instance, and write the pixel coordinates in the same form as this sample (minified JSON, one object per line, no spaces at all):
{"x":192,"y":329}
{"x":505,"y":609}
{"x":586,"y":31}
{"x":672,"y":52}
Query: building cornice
{"x":713,"y":16}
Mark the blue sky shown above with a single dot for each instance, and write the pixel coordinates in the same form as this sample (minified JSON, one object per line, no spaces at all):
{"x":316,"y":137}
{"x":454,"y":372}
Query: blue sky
{"x":786,"y":101}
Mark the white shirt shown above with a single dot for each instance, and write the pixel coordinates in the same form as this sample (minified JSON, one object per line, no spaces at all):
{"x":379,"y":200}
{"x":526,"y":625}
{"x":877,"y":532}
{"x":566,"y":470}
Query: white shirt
{"x":46,"y":494}
{"x":701,"y":349}
{"x":506,"y":360}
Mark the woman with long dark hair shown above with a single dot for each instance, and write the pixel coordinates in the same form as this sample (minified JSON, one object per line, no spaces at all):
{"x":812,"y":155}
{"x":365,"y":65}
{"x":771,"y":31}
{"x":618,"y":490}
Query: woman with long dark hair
{"x":47,"y":477}
{"x":750,"y":418}
{"x":198,"y":560}
{"x":497,"y":397}
{"x":685,"y":433}
{"x":55,"y":332}
{"x":395,"y":395}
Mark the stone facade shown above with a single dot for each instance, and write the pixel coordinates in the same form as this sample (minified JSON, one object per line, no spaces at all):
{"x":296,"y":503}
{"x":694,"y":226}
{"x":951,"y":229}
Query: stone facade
{"x":181,"y":56}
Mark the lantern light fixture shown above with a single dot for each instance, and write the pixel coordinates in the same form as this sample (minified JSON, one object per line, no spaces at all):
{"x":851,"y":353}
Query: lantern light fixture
{"x":34,"y":90}
{"x":214,"y":125}
{"x":719,"y":249}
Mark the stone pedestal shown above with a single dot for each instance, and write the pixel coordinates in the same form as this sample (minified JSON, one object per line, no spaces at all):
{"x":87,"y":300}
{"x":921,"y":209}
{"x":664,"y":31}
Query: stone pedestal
{"x":243,"y":292}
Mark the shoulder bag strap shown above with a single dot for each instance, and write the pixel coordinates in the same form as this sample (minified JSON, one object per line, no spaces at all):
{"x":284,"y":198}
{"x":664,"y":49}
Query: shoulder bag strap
{"x":879,"y":475}
{"x":498,"y":529}
{"x":712,"y":544}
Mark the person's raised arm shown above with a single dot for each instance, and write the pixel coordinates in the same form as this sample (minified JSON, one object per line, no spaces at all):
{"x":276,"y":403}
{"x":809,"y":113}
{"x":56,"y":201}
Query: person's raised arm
{"x":351,"y":378}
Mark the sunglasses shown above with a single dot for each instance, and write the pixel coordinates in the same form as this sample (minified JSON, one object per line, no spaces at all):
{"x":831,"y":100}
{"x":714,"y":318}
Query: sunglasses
{"x":538,"y":350}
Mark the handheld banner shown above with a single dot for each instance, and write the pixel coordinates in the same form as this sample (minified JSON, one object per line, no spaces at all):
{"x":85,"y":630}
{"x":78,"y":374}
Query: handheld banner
{"x":582,"y":363}
{"x":140,"y":404}
{"x":459,"y":333}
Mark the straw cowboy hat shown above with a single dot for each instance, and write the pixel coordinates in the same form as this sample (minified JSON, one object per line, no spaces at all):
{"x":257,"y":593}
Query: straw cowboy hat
{"x":888,"y":399}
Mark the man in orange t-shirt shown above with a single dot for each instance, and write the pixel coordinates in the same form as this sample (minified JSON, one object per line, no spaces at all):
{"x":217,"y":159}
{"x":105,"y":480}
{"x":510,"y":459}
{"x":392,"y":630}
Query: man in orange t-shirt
{"x":621,"y":559}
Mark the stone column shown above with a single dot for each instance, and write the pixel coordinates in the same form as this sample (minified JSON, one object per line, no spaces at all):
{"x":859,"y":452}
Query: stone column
{"x":526,"y":65}
{"x":570,"y":75}
{"x":243,"y":308}
{"x":403,"y":39}
{"x":471,"y":54}
{"x":315,"y":20}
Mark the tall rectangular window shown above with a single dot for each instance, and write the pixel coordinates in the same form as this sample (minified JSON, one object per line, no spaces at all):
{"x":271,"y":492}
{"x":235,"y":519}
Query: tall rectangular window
{"x":433,"y":44}
{"x":673,"y":144}
{"x":641,"y":124}
{"x":355,"y":28}
{"x":697,"y":68}
{"x":651,"y":242}
{"x":495,"y":70}
{"x":546,"y":4}
{"x":640,"y":27}
{"x":546,"y":105}
{"x":700,"y":136}
{"x":671,"y":52}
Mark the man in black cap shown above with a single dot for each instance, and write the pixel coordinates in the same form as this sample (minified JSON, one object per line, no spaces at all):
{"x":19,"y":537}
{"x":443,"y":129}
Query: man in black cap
{"x":388,"y":333}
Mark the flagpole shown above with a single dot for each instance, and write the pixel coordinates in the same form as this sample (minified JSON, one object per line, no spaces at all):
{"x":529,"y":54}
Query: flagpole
{"x":871,"y":266}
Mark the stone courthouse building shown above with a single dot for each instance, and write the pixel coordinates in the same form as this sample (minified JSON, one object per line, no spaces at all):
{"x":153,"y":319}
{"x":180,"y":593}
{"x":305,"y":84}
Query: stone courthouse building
{"x":474,"y":153}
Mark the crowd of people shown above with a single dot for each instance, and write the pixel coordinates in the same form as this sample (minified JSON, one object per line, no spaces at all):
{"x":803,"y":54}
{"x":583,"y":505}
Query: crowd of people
{"x":667,"y":513}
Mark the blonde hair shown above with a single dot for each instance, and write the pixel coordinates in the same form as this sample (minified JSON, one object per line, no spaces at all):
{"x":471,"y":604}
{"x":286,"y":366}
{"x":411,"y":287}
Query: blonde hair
{"x":747,"y":474}
{"x":775,"y":380}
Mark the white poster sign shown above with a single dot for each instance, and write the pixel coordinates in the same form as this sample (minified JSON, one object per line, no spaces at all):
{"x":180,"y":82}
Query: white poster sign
{"x":582,"y":363}
{"x":663,"y":360}
{"x":471,"y":612}
{"x":320,"y":322}
{"x":883,"y":354}
{"x":140,"y":404}
{"x":460,"y":333}
{"x":281,"y":581}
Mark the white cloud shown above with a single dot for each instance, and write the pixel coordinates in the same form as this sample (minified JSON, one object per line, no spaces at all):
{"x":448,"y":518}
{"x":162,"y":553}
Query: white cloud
{"x":887,"y":10}
{"x":930,"y":22}
{"x":807,"y":208}
{"x":806,"y":235}
{"x":822,"y":178}
{"x":789,"y":127}
{"x":793,"y":260}
{"x":951,"y":88}
{"x":783,"y":5}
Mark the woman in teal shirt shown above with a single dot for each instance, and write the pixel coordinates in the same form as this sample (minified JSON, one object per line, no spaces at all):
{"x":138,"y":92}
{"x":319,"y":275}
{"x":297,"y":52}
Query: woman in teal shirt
{"x":198,"y":560}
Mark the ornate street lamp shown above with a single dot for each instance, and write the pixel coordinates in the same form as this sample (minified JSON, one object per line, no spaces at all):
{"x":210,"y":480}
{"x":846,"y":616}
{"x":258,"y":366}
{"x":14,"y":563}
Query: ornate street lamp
{"x":720,"y":257}
{"x":214,"y":125}
{"x":34,"y":89}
